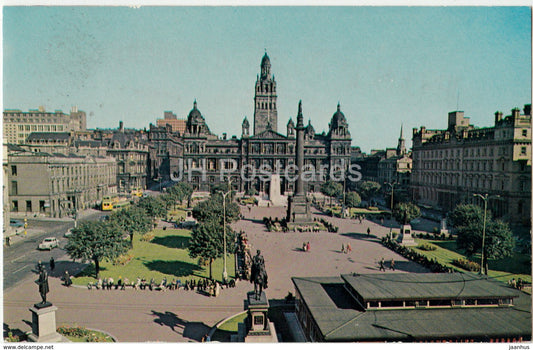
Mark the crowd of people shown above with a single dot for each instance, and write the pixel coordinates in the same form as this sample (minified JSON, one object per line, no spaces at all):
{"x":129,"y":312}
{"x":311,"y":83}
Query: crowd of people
{"x":516,"y":283}
{"x":204,"y":285}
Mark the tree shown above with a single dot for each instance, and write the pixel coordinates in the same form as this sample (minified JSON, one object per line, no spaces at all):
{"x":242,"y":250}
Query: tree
{"x":132,"y":220}
{"x":467,"y":214}
{"x":251,"y":191}
{"x":95,"y":241}
{"x":352,"y":199}
{"x":331,"y":189}
{"x":499,"y":240}
{"x":207,"y":242}
{"x":213,"y":209}
{"x":180,"y":192}
{"x":154,"y":207}
{"x":369,"y":189}
{"x":221,"y":187}
{"x":404,"y":213}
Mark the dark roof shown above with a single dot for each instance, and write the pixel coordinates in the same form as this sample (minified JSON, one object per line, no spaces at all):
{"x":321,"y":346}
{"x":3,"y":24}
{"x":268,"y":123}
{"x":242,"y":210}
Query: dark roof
{"x":57,"y":136}
{"x":269,"y":134}
{"x":337,"y":321}
{"x":14,"y":148}
{"x":411,"y":286}
{"x":87,"y":143}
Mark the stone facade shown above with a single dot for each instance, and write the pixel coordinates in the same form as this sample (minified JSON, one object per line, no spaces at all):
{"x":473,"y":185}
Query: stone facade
{"x":19,"y":125}
{"x":265,"y":100}
{"x":200,"y":157}
{"x":450,"y":166}
{"x":57,"y":185}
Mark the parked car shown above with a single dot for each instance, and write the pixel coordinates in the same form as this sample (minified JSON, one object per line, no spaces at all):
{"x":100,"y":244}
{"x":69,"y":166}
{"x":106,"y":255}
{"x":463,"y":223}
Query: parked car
{"x":49,"y":243}
{"x":15,"y":223}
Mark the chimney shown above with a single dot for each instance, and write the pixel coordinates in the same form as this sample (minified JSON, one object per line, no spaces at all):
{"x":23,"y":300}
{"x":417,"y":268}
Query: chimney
{"x":121,"y":126}
{"x":527,"y":109}
{"x":516,"y":113}
{"x":498,"y":117}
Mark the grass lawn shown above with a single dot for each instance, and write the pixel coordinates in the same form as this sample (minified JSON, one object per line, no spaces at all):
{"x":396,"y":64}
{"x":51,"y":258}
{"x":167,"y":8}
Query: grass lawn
{"x":517,"y":266}
{"x":165,"y":256}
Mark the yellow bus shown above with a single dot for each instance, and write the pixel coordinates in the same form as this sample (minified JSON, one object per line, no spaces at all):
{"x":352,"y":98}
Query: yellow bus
{"x":137,"y":192}
{"x":108,"y":202}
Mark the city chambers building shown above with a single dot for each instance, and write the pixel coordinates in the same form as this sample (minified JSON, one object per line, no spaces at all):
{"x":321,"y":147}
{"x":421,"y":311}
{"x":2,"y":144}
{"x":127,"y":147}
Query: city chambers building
{"x":199,"y":157}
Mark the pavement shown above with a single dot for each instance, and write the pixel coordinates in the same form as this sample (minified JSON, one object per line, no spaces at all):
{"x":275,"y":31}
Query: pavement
{"x":185,"y":316}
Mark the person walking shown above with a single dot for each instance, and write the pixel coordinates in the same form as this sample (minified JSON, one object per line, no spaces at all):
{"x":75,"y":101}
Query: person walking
{"x":342,"y":248}
{"x":368,"y":232}
{"x":382,"y":265}
{"x":52,"y":264}
{"x":392,"y":265}
{"x":68,"y":281}
{"x":348,"y":248}
{"x":308,"y":246}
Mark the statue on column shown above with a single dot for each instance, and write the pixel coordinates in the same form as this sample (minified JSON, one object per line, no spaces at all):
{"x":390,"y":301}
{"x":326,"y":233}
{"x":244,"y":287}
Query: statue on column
{"x":258,"y":276}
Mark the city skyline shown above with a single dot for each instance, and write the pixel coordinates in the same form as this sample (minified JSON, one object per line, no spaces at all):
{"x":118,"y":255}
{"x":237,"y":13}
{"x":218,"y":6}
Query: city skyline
{"x":132,"y":64}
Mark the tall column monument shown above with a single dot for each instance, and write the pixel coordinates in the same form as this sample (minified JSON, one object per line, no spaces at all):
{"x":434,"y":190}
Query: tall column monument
{"x":299,"y":211}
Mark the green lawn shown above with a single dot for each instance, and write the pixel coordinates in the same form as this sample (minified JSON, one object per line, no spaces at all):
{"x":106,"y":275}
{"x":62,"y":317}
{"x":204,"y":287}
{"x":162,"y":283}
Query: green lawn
{"x":165,"y":256}
{"x":516,"y":266}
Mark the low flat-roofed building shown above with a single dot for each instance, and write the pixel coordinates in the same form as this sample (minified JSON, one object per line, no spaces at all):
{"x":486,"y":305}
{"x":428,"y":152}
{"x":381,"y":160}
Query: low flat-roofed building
{"x":411,"y":308}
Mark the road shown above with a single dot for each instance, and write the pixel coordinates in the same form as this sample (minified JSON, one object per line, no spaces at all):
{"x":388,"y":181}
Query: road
{"x":21,"y":258}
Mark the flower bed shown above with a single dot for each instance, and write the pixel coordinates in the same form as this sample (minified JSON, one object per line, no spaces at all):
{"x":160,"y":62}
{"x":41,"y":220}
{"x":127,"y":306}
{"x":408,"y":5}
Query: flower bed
{"x":466,"y":264}
{"x":427,"y":247}
{"x":82,"y":334}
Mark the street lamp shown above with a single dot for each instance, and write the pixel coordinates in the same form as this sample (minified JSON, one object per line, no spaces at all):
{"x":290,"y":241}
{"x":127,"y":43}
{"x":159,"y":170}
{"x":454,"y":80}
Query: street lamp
{"x":225,"y":271}
{"x":391,"y":202}
{"x":485,"y":199}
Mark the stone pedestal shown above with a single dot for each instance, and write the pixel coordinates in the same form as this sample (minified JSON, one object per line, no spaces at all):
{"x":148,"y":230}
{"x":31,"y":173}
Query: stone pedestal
{"x":405,"y":237}
{"x":274,"y":194}
{"x":299,"y":211}
{"x":443,"y":229}
{"x":259,"y":329}
{"x":43,"y":325}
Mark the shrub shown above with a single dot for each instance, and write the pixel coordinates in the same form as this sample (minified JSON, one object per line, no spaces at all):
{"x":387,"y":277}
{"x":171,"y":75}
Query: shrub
{"x":466,"y":264}
{"x":12,"y":338}
{"x":427,"y":247}
{"x":82,"y":332}
{"x":147,"y":237}
{"x":123,"y":259}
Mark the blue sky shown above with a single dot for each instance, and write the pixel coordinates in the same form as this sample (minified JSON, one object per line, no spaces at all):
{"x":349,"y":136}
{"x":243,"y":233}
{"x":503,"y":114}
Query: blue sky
{"x":386,"y":65}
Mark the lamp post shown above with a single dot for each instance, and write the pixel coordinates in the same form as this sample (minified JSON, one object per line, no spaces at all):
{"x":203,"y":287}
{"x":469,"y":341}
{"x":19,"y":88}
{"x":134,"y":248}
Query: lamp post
{"x":391,"y":202}
{"x":225,"y":271}
{"x":485,"y":199}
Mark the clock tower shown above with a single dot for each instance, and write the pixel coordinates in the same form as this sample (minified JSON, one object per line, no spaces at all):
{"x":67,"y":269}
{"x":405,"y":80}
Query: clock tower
{"x":265,"y":100}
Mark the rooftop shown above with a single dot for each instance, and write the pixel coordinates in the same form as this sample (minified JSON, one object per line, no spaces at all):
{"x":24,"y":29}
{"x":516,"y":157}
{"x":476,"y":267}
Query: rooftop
{"x":376,"y":287}
{"x":340,"y":319}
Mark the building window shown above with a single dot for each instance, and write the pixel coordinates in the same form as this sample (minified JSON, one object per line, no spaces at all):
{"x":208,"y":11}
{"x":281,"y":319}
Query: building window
{"x":15,"y":206}
{"x":14,"y":170}
{"x":14,"y":188}
{"x":524,"y":132}
{"x":28,"y":206}
{"x":523,"y":150}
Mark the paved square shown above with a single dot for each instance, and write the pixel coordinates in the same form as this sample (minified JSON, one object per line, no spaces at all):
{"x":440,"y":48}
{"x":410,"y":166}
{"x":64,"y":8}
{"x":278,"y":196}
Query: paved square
{"x":182,"y":316}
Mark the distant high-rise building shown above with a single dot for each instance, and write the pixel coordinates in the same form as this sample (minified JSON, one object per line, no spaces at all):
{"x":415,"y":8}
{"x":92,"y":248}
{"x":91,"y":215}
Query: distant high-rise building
{"x":19,"y":125}
{"x":177,"y":124}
